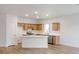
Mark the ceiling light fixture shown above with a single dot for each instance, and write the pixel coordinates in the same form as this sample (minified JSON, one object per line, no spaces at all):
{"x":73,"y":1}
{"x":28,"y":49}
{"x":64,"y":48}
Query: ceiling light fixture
{"x":26,"y":15}
{"x":47,"y":15}
{"x":35,"y":12}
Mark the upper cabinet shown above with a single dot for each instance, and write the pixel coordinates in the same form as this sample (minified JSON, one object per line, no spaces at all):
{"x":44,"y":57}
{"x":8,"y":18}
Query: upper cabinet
{"x":56,"y":26}
{"x":26,"y":26}
{"x":39,"y":26}
{"x":33,"y":26}
{"x":20,"y":24}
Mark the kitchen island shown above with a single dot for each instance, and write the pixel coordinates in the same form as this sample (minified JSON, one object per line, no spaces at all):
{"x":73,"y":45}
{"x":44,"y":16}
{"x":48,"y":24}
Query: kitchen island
{"x":35,"y":41}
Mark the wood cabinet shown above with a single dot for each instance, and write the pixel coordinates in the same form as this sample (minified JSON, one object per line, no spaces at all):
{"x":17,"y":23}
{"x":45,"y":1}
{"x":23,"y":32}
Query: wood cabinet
{"x":55,"y":40}
{"x":56,"y":26}
{"x":26,"y":26}
{"x":20,"y":24}
{"x":33,"y":26}
{"x":36,"y":26}
{"x":39,"y":26}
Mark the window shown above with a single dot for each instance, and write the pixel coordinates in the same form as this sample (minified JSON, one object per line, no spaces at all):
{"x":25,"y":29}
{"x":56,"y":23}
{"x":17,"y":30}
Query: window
{"x":46,"y":28}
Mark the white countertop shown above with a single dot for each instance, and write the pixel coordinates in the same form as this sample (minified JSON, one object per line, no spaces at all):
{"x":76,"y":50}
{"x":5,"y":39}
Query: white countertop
{"x":35,"y":36}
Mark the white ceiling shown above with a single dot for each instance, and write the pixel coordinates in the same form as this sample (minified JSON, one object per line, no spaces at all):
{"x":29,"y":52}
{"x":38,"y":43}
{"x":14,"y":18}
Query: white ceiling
{"x":53,"y":10}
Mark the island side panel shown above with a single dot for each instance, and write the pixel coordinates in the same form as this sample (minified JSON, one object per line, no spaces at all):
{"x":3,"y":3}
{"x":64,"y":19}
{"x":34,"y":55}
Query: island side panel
{"x":35,"y":42}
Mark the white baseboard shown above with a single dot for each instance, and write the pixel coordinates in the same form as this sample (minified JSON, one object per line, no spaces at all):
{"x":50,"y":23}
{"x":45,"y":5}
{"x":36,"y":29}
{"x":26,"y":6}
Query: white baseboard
{"x":76,"y":46}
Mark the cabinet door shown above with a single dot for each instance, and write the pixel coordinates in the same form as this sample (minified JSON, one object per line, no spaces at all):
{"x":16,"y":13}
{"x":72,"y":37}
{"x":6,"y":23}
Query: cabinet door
{"x":56,"y":26}
{"x":55,"y":40}
{"x":36,"y":26}
{"x":20,"y":24}
{"x":33,"y":26}
{"x":39,"y":26}
{"x":26,"y":26}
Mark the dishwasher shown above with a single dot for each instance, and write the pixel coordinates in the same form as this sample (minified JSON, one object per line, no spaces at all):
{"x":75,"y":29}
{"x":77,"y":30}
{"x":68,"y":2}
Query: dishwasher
{"x":50,"y":39}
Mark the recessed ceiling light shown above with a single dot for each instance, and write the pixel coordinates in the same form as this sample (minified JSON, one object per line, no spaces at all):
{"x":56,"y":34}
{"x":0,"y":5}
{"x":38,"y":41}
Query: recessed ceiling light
{"x":26,"y":14}
{"x":36,"y":12}
{"x":47,"y":15}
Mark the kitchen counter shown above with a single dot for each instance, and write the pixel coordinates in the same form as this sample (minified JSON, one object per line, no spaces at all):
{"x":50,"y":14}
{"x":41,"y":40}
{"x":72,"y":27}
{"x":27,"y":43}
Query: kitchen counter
{"x":35,"y":41}
{"x":34,"y":36}
{"x":46,"y":34}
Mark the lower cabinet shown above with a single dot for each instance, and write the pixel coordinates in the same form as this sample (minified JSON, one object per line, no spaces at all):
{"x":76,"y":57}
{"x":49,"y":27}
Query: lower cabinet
{"x":55,"y":40}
